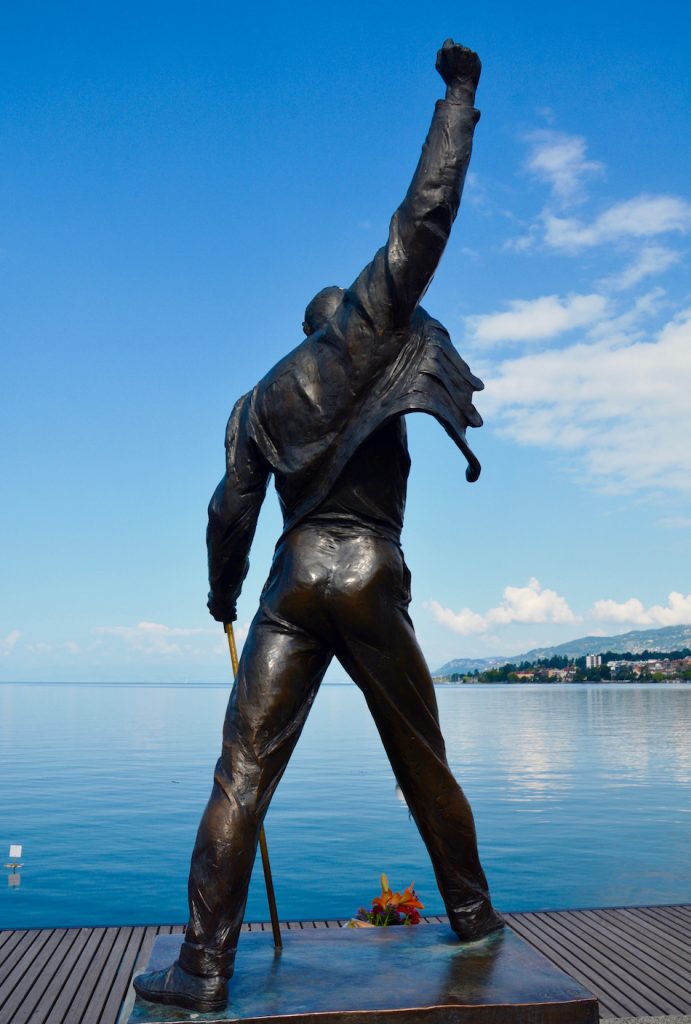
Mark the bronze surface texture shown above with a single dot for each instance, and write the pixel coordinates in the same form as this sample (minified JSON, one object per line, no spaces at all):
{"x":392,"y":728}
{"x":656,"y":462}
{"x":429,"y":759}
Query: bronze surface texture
{"x":411,"y":974}
{"x":327,"y":424}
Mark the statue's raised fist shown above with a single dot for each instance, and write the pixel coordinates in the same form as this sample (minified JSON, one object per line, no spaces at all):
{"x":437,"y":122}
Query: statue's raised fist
{"x":456,"y":63}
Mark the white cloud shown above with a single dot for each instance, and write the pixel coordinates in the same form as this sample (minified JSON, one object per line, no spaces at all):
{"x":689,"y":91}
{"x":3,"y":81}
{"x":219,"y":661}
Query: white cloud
{"x":522,"y":243}
{"x":619,"y":328}
{"x":676,"y":612}
{"x":474,"y":190}
{"x":613,"y":403}
{"x":652,"y":259}
{"x":41,"y":647}
{"x":518,"y":604}
{"x":547,"y":114}
{"x":464,"y":622}
{"x":676,"y":522}
{"x":154,"y":637}
{"x":241,"y":632}
{"x":531,"y":604}
{"x":621,"y":406}
{"x":7,"y":644}
{"x":559,"y":160}
{"x":537,"y":319}
{"x":641,"y":217}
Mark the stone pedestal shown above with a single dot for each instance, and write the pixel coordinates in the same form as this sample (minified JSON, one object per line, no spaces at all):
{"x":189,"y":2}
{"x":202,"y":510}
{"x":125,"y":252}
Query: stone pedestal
{"x":418,"y":975}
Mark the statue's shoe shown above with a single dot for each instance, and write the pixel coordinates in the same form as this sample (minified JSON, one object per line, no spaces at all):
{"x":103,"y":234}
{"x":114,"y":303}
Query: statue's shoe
{"x":476,"y":922}
{"x":177,"y":987}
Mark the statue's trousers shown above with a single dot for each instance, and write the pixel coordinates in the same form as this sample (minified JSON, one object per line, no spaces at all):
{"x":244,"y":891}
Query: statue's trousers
{"x":332,"y":591}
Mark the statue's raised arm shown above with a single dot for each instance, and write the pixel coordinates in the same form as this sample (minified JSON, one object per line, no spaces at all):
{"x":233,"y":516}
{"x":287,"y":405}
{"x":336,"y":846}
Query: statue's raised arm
{"x":391,"y":286}
{"x":310,"y":413}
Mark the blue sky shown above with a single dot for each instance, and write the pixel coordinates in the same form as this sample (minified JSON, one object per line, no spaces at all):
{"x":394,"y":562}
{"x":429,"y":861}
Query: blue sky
{"x":179,"y":180}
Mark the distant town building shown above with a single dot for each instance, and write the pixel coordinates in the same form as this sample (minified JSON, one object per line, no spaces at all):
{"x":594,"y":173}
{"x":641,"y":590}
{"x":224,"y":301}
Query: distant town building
{"x":593,"y":660}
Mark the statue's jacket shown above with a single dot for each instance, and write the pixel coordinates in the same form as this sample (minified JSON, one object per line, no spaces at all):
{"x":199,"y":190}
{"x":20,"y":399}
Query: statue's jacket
{"x":380,"y":356}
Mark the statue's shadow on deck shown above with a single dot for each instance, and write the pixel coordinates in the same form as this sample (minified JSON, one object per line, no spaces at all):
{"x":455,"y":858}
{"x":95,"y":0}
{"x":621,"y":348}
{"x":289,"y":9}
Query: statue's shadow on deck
{"x":379,"y":976}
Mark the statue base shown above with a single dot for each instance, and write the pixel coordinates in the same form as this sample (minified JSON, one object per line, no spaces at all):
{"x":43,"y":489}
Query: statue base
{"x":384,"y":975}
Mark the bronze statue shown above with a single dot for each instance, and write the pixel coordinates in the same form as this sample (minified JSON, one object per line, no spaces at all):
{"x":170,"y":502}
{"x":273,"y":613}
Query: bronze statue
{"x":327,"y":422}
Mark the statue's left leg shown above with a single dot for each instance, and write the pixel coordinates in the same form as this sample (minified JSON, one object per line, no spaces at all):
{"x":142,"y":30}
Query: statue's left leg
{"x":379,"y":650}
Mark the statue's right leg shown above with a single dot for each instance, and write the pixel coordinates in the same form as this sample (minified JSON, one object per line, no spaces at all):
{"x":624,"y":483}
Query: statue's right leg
{"x":378,"y":648}
{"x":280,"y":672}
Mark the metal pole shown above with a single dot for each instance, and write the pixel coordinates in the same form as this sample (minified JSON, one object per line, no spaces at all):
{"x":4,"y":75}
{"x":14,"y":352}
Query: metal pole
{"x":264,"y":849}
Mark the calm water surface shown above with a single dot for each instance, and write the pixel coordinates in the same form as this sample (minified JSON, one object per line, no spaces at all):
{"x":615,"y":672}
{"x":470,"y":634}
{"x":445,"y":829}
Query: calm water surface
{"x":580,"y":795}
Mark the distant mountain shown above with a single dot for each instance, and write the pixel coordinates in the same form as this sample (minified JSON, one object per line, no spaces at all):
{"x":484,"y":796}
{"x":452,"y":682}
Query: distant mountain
{"x":463,"y":665}
{"x":668,"y":638}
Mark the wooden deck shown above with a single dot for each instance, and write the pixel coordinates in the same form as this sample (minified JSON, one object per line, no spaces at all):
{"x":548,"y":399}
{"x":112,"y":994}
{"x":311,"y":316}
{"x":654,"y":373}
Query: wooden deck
{"x":637,"y":961}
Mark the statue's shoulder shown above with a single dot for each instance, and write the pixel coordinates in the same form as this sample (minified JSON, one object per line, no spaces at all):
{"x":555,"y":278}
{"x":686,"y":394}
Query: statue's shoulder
{"x":436,"y":337}
{"x":291,"y":363}
{"x":425,"y":324}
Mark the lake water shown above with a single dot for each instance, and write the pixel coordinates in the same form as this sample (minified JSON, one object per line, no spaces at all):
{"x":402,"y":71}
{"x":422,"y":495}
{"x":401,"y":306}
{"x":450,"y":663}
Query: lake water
{"x":580,"y":795}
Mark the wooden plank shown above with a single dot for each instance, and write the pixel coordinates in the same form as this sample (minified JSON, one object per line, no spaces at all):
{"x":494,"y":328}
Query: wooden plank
{"x":19,"y":984}
{"x":5,"y":936}
{"x":93,"y":1012}
{"x":682,"y":911}
{"x":659,"y":931}
{"x":614,"y":1003}
{"x":11,"y":938}
{"x":28,"y":993}
{"x":23,"y":965}
{"x":620,"y":929}
{"x":146,"y":946}
{"x":123,"y":974}
{"x":82,"y":1003}
{"x":613,"y":931}
{"x":606,"y":948}
{"x":675,"y":923}
{"x":650,"y":1002}
{"x":668,"y":922}
{"x":654,"y":927}
{"x":20,"y":943}
{"x":659,"y":944}
{"x":43,"y":1010}
{"x":69,"y":987}
{"x":673,"y":936}
{"x":636,"y":960}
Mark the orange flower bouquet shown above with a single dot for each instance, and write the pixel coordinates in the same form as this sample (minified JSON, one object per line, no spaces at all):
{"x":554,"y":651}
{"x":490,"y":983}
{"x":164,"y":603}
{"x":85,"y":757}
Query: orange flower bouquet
{"x":390,"y":908}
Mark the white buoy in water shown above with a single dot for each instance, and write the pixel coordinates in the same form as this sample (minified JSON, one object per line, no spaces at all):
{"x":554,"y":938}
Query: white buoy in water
{"x":15,"y":854}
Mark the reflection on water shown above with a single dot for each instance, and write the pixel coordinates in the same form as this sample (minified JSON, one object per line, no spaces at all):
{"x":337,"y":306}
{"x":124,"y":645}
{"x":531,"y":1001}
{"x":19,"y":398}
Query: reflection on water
{"x":579,"y":794}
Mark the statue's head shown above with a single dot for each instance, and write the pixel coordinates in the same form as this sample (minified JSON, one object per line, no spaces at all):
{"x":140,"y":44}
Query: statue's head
{"x":322,"y":308}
